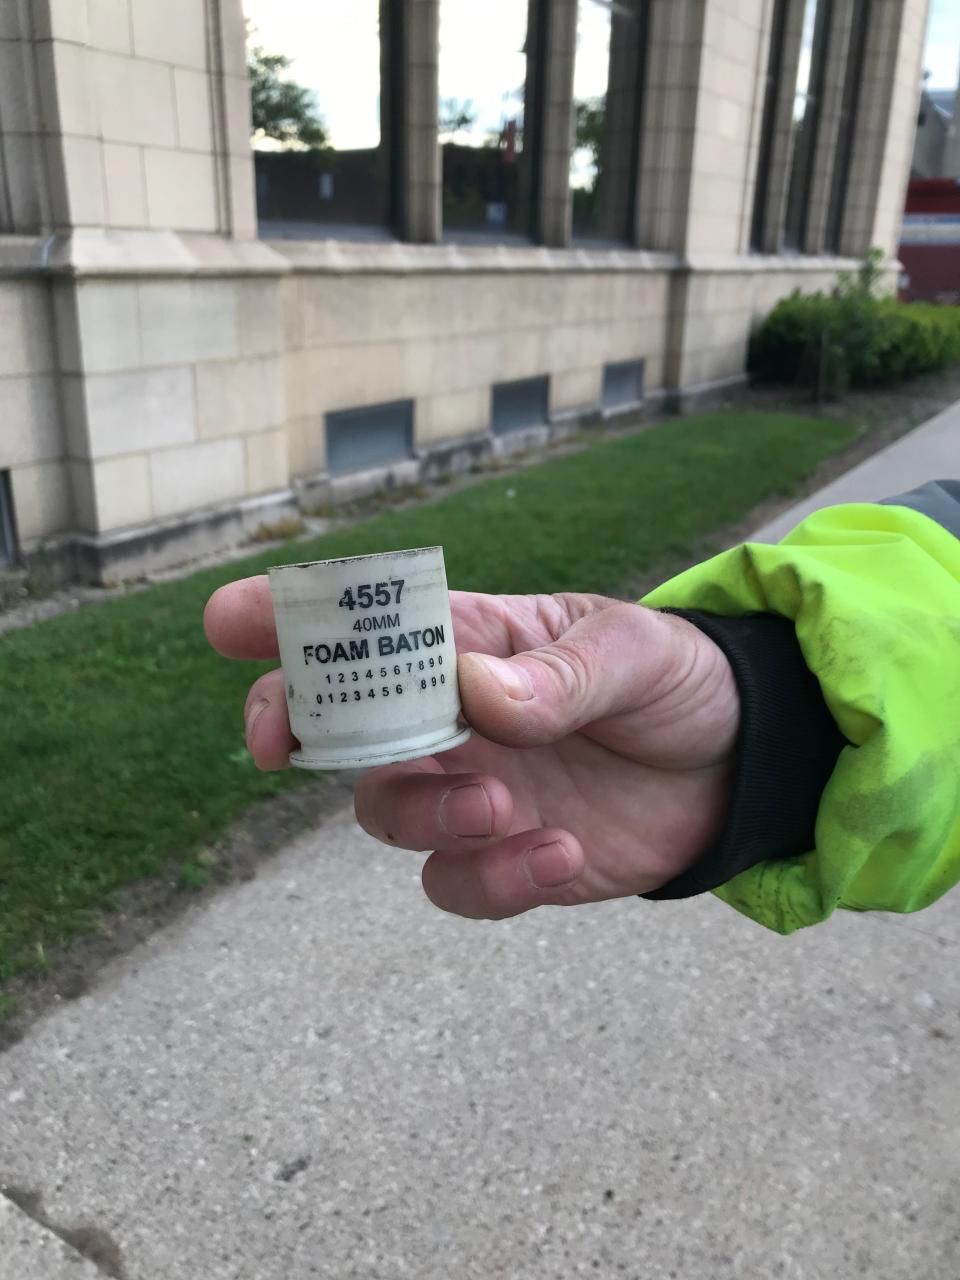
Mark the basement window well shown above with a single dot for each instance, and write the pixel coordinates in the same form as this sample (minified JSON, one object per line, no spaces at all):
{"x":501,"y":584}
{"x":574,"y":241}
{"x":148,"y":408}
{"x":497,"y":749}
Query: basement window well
{"x":375,"y":436}
{"x":519,"y":404}
{"x":622,"y":384}
{"x":8,"y":535}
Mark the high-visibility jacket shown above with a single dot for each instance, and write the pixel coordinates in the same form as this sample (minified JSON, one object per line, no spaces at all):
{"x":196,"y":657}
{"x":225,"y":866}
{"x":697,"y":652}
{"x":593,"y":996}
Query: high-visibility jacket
{"x":871,"y":594}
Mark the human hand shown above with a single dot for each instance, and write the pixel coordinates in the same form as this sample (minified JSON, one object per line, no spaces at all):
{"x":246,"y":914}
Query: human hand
{"x":600,"y":762}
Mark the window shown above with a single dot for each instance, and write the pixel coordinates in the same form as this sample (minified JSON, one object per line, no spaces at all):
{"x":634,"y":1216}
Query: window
{"x":806,"y":118}
{"x":321,"y":150}
{"x":622,"y":384}
{"x":375,"y":436}
{"x":484,"y":117}
{"x":519,"y":404}
{"x":607,"y":90}
{"x":768,"y":125}
{"x":8,"y":535}
{"x":848,"y":124}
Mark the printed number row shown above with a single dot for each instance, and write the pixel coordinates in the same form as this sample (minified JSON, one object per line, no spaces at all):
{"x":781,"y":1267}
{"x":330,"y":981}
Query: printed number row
{"x":385,"y":691}
{"x":425,"y":664}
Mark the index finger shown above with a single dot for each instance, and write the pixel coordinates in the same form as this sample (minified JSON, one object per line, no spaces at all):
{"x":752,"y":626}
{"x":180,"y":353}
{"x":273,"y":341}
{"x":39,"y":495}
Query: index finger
{"x":239,"y":621}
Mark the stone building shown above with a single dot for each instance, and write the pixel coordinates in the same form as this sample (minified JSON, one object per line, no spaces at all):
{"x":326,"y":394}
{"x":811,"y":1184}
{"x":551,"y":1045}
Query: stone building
{"x":173,"y":375}
{"x":936,"y":149}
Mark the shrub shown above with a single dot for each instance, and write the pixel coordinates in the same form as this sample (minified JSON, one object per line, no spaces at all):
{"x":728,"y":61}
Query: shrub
{"x":852,"y":337}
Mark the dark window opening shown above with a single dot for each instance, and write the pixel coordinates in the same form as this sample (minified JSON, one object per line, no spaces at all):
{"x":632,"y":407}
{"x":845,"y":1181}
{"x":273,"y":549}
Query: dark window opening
{"x":607,"y":90}
{"x":849,"y":111}
{"x":8,"y":528}
{"x":806,"y":120}
{"x":375,"y":436}
{"x":489,"y":83}
{"x":519,"y":404}
{"x":323,"y":139}
{"x":768,"y":125}
{"x":623,"y":384}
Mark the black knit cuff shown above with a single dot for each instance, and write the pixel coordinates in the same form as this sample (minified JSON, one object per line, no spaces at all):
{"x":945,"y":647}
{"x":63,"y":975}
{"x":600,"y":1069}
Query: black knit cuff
{"x":786,"y":751}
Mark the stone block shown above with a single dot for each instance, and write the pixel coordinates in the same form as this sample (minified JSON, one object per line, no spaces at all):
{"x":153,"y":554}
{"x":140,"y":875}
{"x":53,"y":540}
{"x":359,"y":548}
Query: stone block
{"x":173,"y":32}
{"x":306,"y":446}
{"x":122,"y":491}
{"x":181,"y":190}
{"x":268,"y":466}
{"x":18,"y":107}
{"x":239,"y":396}
{"x":192,"y":92}
{"x":236,"y":98}
{"x":522,"y":354}
{"x":134,"y":100}
{"x":199,"y":475}
{"x":258,"y":304}
{"x":62,"y":20}
{"x":108,"y":320}
{"x":126,"y":193}
{"x":145,"y":409}
{"x":233,"y":39}
{"x":26,"y":338}
{"x":292,"y":313}
{"x":109,"y":25}
{"x":30,"y":418}
{"x":573,"y":389}
{"x":41,"y":499}
{"x":83,"y":173}
{"x":189,"y":320}
{"x":459,"y":413}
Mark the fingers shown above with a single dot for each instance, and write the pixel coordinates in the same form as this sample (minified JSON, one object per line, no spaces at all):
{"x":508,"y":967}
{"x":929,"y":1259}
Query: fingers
{"x":530,"y":869}
{"x":608,"y":662}
{"x":239,"y":622}
{"x":267,"y":724}
{"x":415,"y":807}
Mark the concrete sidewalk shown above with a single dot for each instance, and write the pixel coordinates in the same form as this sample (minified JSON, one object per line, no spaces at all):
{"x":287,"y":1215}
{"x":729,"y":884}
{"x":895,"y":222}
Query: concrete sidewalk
{"x":316,"y":1074}
{"x":931,"y":452}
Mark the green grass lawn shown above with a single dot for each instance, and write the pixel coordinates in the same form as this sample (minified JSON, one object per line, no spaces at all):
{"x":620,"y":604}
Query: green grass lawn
{"x":121,"y":750}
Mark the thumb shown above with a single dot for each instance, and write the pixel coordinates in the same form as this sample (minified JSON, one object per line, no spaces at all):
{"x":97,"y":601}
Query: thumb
{"x":613,"y":660}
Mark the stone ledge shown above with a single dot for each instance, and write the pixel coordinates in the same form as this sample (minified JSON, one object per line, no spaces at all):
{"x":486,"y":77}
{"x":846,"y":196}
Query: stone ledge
{"x":99,"y":253}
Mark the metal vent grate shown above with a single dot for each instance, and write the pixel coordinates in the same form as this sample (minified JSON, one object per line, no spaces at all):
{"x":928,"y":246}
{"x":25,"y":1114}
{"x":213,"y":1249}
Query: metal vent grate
{"x":375,"y":436}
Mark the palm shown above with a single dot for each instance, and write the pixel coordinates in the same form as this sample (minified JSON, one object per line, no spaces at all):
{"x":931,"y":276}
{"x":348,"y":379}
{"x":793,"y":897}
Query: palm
{"x":644,"y":789}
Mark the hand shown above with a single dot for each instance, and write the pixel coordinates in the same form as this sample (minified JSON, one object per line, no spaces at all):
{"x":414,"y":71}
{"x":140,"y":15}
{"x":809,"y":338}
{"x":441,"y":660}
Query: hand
{"x":599,"y":765}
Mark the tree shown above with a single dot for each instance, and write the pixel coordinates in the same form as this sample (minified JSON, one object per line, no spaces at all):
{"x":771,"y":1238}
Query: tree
{"x":281,"y":108}
{"x":590,"y":112}
{"x":456,"y":114}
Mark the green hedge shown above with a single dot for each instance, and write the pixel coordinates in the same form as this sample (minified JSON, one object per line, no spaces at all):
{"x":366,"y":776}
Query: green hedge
{"x":852,"y":338}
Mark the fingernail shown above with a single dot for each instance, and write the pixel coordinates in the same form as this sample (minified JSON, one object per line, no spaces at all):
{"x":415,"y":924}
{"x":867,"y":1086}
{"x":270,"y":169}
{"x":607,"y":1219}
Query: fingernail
{"x":548,"y":866}
{"x":254,"y":712}
{"x":513,"y":680}
{"x":467,"y":811}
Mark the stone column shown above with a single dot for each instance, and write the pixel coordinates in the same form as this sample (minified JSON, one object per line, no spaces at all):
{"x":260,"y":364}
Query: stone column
{"x":830,"y":122}
{"x":554,"y":202}
{"x":674,"y":46}
{"x":618,"y":150}
{"x":885,"y":128}
{"x":418,"y":150}
{"x":31,"y":164}
{"x":781,"y":151}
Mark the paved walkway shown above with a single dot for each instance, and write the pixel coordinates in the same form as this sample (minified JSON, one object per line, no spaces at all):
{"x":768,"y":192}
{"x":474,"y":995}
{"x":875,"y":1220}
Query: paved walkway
{"x":315,"y":1074}
{"x":931,"y":452}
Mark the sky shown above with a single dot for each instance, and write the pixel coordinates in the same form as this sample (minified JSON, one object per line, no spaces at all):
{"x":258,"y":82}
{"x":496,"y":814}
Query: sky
{"x":335,"y":50}
{"x":941,"y":56}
